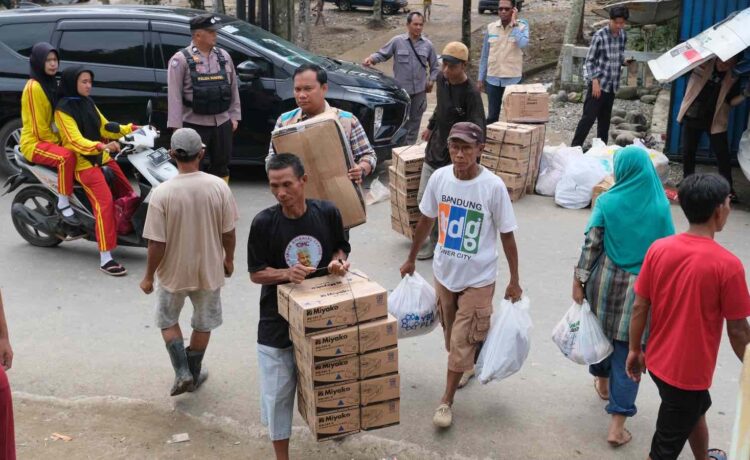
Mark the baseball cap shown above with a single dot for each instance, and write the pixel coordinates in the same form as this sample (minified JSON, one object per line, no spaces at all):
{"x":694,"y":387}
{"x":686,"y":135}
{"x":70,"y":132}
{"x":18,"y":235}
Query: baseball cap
{"x":206,"y":21}
{"x":467,"y":132}
{"x":186,"y":142}
{"x":455,"y":52}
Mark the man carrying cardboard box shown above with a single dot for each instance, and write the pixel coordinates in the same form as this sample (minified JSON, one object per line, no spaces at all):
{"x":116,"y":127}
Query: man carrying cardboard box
{"x":310,"y":88}
{"x":472,"y":205}
{"x":288,"y":242}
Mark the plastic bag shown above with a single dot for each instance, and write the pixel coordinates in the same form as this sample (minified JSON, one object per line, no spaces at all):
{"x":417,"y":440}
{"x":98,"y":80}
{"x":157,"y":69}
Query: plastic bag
{"x":552,"y":166}
{"x":125,"y":208}
{"x":659,"y":160}
{"x":378,"y":192}
{"x":414,"y":303}
{"x":743,"y":154}
{"x":580,"y":336}
{"x":575,"y":189}
{"x":508,"y":342}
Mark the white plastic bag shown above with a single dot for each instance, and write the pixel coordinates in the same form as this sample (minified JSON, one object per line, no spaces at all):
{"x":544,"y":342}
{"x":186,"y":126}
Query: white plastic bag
{"x":552,"y":166}
{"x":577,"y":184}
{"x":378,"y":192}
{"x":580,"y":336}
{"x":414,"y":303}
{"x":659,"y":160}
{"x":743,"y":154}
{"x":508,"y":342}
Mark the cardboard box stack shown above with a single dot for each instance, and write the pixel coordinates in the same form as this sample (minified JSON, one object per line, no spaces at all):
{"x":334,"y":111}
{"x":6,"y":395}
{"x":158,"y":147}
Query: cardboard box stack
{"x":345,"y":346}
{"x":600,"y":188}
{"x":513,"y":152}
{"x":405,"y":174}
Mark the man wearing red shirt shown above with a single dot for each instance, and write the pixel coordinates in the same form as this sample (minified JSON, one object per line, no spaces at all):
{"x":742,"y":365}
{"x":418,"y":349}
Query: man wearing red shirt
{"x":690,"y":284}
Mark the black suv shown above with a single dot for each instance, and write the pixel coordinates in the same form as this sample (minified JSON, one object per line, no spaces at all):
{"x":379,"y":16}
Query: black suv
{"x":128,"y":48}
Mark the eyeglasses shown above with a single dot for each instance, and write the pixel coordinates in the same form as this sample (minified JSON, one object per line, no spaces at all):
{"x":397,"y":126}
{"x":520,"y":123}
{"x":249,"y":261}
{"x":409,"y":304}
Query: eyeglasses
{"x":504,"y":9}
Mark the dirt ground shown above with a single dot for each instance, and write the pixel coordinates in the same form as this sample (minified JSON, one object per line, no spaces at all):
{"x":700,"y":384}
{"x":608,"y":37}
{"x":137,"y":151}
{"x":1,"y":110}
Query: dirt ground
{"x":348,"y":29}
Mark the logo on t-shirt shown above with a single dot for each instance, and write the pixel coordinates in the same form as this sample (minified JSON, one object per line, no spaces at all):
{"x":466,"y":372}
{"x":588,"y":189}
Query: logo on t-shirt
{"x":460,"y":224}
{"x":304,"y":250}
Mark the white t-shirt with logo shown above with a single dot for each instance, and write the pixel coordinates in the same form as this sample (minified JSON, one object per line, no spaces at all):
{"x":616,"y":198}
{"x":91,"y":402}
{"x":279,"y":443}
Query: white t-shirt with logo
{"x":470,"y":214}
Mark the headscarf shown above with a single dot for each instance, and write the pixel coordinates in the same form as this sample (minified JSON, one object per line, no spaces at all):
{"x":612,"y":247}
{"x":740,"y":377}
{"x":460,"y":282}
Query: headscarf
{"x":37,"y":62}
{"x":81,"y":108}
{"x":634,"y":212}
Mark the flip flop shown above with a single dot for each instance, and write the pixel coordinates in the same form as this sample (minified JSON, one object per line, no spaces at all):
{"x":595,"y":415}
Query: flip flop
{"x":717,"y":454}
{"x":602,"y":396}
{"x":628,"y":438}
{"x":112,"y":268}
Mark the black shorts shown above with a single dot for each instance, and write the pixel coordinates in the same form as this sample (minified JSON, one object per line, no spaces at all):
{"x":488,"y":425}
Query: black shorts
{"x":679,"y":412}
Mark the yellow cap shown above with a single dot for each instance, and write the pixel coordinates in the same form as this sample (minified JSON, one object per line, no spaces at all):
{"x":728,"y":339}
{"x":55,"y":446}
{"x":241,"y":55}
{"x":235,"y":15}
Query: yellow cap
{"x":455,"y":52}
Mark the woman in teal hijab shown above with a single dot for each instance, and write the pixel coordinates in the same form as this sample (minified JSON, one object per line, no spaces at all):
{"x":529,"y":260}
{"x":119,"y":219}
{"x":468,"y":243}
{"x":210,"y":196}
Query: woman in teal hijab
{"x":624,"y":222}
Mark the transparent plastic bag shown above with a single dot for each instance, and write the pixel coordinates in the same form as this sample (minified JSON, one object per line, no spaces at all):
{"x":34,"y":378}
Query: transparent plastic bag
{"x":378,"y":192}
{"x":580,"y":337}
{"x":508,"y":342}
{"x":414,"y":303}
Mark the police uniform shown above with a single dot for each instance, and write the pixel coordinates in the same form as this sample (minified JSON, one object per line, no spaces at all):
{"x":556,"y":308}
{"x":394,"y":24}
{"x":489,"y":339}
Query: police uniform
{"x":203,"y":95}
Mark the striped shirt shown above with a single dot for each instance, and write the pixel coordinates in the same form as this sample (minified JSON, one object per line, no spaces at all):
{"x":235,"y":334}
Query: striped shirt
{"x":609,"y":288}
{"x":605,"y":59}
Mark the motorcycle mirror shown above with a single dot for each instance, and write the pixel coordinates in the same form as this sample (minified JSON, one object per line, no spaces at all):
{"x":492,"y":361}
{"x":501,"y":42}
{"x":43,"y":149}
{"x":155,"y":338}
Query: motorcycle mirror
{"x":149,"y":110}
{"x":112,"y":127}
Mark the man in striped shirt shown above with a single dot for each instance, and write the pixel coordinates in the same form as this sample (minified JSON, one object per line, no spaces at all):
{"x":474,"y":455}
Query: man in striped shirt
{"x":602,"y":71}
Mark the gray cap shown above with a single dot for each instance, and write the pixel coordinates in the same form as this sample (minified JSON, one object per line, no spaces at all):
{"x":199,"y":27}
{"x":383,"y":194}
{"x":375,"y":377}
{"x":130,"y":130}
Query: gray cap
{"x":186,"y":140}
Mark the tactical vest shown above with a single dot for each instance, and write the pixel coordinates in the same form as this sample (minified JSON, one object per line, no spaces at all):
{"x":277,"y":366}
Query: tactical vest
{"x":212,"y":92}
{"x":505,"y":58}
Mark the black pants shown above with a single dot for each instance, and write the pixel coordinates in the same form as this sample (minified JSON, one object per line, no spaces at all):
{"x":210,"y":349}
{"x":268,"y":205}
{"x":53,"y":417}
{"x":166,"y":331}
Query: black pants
{"x":218,"y":140}
{"x":595,"y":110}
{"x":691,"y":137}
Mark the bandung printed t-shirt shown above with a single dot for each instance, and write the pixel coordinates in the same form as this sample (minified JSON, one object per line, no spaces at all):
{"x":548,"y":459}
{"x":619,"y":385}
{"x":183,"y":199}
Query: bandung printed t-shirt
{"x":470,"y":214}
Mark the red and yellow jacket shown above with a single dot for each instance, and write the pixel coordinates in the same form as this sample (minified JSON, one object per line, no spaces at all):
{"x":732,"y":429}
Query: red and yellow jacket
{"x":73,"y":140}
{"x":36,"y":115}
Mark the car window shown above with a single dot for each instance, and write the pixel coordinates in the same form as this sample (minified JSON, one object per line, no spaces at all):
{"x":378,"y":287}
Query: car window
{"x":22,"y":37}
{"x":116,"y":47}
{"x":171,"y":44}
{"x":266,"y":68}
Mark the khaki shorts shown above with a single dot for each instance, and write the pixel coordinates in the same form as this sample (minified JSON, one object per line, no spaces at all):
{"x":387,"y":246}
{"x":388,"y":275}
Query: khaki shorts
{"x":206,"y":309}
{"x":465,"y":317}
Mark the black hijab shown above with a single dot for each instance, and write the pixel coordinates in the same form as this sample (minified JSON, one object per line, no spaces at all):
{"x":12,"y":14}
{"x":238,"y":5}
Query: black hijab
{"x":37,"y":61}
{"x":81,"y":108}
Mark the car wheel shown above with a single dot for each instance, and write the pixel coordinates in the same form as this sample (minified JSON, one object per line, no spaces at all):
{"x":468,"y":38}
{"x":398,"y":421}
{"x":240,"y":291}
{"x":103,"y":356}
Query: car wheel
{"x":10,"y":136}
{"x":39,"y":200}
{"x":344,"y":5}
{"x":390,"y":9}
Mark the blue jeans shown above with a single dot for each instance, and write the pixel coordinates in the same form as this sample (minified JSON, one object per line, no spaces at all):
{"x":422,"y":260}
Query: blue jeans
{"x":622,"y":390}
{"x":494,"y":101}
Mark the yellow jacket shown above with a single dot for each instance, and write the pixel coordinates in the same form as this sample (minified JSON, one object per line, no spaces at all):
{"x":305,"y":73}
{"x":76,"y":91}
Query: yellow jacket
{"x":73,"y":140}
{"x":36,"y":116}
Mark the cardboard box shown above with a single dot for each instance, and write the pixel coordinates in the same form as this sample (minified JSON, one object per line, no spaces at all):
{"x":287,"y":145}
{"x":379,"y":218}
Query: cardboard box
{"x":510,"y":166}
{"x":329,"y":397}
{"x":396,"y":224}
{"x":363,"y":338}
{"x":380,"y":362}
{"x":601,"y":187}
{"x":407,"y":198}
{"x":404,"y":183}
{"x":330,"y":302}
{"x":395,"y":210}
{"x":513,"y":181}
{"x":330,"y":425}
{"x":380,"y":415}
{"x":327,"y":372}
{"x":525,"y":104}
{"x":321,"y":144}
{"x":510,"y":133}
{"x":408,"y":160}
{"x":409,"y":215}
{"x":379,"y":389}
{"x":517,"y":193}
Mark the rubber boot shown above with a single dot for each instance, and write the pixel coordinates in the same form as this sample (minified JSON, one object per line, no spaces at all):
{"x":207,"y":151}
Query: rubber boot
{"x":182,"y":377}
{"x":195,"y":362}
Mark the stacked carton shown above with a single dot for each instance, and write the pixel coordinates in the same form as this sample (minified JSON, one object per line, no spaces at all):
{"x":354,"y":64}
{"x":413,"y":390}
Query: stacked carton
{"x":600,"y":188}
{"x":405,"y":174}
{"x":345,"y":347}
{"x":513,"y":152}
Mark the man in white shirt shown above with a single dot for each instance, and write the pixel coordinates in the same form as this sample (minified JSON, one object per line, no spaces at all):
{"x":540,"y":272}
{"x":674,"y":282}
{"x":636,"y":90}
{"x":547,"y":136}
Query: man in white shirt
{"x":472,"y":205}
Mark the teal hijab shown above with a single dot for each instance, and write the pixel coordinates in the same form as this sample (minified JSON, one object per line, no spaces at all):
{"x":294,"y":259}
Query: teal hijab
{"x":634,"y":212}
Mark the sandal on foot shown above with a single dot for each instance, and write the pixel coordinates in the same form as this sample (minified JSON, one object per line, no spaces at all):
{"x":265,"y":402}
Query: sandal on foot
{"x":112,"y":268}
{"x":602,"y":396}
{"x":717,"y":454}
{"x":628,"y":438}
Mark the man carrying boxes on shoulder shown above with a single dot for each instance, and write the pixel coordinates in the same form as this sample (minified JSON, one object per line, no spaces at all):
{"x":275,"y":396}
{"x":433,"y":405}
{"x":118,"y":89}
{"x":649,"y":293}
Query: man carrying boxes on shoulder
{"x":288,"y":242}
{"x":472,"y":205}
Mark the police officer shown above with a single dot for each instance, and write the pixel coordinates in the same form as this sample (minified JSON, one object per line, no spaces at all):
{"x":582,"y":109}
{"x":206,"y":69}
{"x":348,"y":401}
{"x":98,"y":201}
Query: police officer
{"x":203,"y":93}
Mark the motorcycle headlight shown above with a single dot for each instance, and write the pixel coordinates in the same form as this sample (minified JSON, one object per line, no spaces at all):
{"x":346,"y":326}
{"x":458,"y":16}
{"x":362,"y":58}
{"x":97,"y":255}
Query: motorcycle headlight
{"x":368,"y":91}
{"x":377,"y":120}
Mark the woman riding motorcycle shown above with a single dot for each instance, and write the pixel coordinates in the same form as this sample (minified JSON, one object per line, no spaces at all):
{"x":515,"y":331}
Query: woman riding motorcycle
{"x":82,"y":128}
{"x":39,"y":142}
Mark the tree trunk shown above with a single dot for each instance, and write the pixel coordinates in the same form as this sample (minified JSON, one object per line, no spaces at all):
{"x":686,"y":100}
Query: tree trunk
{"x":282,"y":18}
{"x":219,"y":6}
{"x":197,"y":4}
{"x":377,"y":12}
{"x":466,"y":24}
{"x":573,"y":31}
{"x":303,"y":24}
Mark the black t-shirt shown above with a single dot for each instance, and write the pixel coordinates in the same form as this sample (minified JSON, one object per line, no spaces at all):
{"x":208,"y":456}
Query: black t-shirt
{"x":279,"y":242}
{"x":701,"y":112}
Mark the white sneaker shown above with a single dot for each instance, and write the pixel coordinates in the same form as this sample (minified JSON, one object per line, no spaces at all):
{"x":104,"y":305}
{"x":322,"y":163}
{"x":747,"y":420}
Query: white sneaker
{"x":443,"y":416}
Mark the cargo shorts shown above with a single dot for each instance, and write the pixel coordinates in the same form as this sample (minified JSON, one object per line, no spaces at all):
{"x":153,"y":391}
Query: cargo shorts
{"x":206,"y":309}
{"x":465,"y":317}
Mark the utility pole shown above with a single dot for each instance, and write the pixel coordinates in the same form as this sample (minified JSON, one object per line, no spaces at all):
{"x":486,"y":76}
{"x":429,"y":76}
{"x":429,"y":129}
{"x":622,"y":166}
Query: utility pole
{"x":466,"y":24}
{"x":282,"y":18}
{"x":377,"y":12}
{"x":241,"y":10}
{"x":573,"y":31}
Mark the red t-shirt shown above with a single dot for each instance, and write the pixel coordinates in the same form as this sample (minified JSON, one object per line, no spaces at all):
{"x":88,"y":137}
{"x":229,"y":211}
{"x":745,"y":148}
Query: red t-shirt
{"x":693,"y":284}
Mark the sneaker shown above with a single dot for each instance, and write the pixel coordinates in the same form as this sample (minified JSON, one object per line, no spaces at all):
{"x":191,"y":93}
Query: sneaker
{"x":426,"y":251}
{"x":443,"y":416}
{"x":465,"y":378}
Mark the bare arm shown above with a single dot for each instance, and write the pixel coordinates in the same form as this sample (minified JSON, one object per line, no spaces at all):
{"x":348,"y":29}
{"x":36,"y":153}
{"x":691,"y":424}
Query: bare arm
{"x":6,"y":352}
{"x":636,"y":363}
{"x":270,"y":275}
{"x":424,"y":226}
{"x":513,"y":292}
{"x":739,"y":336}
{"x":156,"y":250}
{"x":228,"y":242}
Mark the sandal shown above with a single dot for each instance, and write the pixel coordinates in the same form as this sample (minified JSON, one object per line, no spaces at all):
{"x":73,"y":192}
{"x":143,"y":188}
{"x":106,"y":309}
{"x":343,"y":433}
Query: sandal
{"x":717,"y":454}
{"x":602,"y":396}
{"x":628,"y":438}
{"x":112,"y":268}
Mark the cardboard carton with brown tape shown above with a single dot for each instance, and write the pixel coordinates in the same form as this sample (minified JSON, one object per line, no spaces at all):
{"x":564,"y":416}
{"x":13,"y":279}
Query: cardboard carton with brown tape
{"x":329,"y":397}
{"x":330,"y":371}
{"x":510,"y":133}
{"x":404,"y":182}
{"x":525,"y":104}
{"x":408,"y":160}
{"x":380,"y":415}
{"x":363,"y":338}
{"x":379,"y":389}
{"x":377,"y":363}
{"x":600,"y":188}
{"x":407,"y":198}
{"x":331,"y":302}
{"x":330,"y":425}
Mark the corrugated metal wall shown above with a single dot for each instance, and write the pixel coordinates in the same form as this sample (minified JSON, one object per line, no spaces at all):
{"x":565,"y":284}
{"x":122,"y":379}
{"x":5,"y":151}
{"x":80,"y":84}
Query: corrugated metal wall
{"x":697,"y":16}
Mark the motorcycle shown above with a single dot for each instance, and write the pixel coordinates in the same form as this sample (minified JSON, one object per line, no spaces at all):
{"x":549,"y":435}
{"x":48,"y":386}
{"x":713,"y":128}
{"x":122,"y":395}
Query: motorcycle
{"x":34,"y":210}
